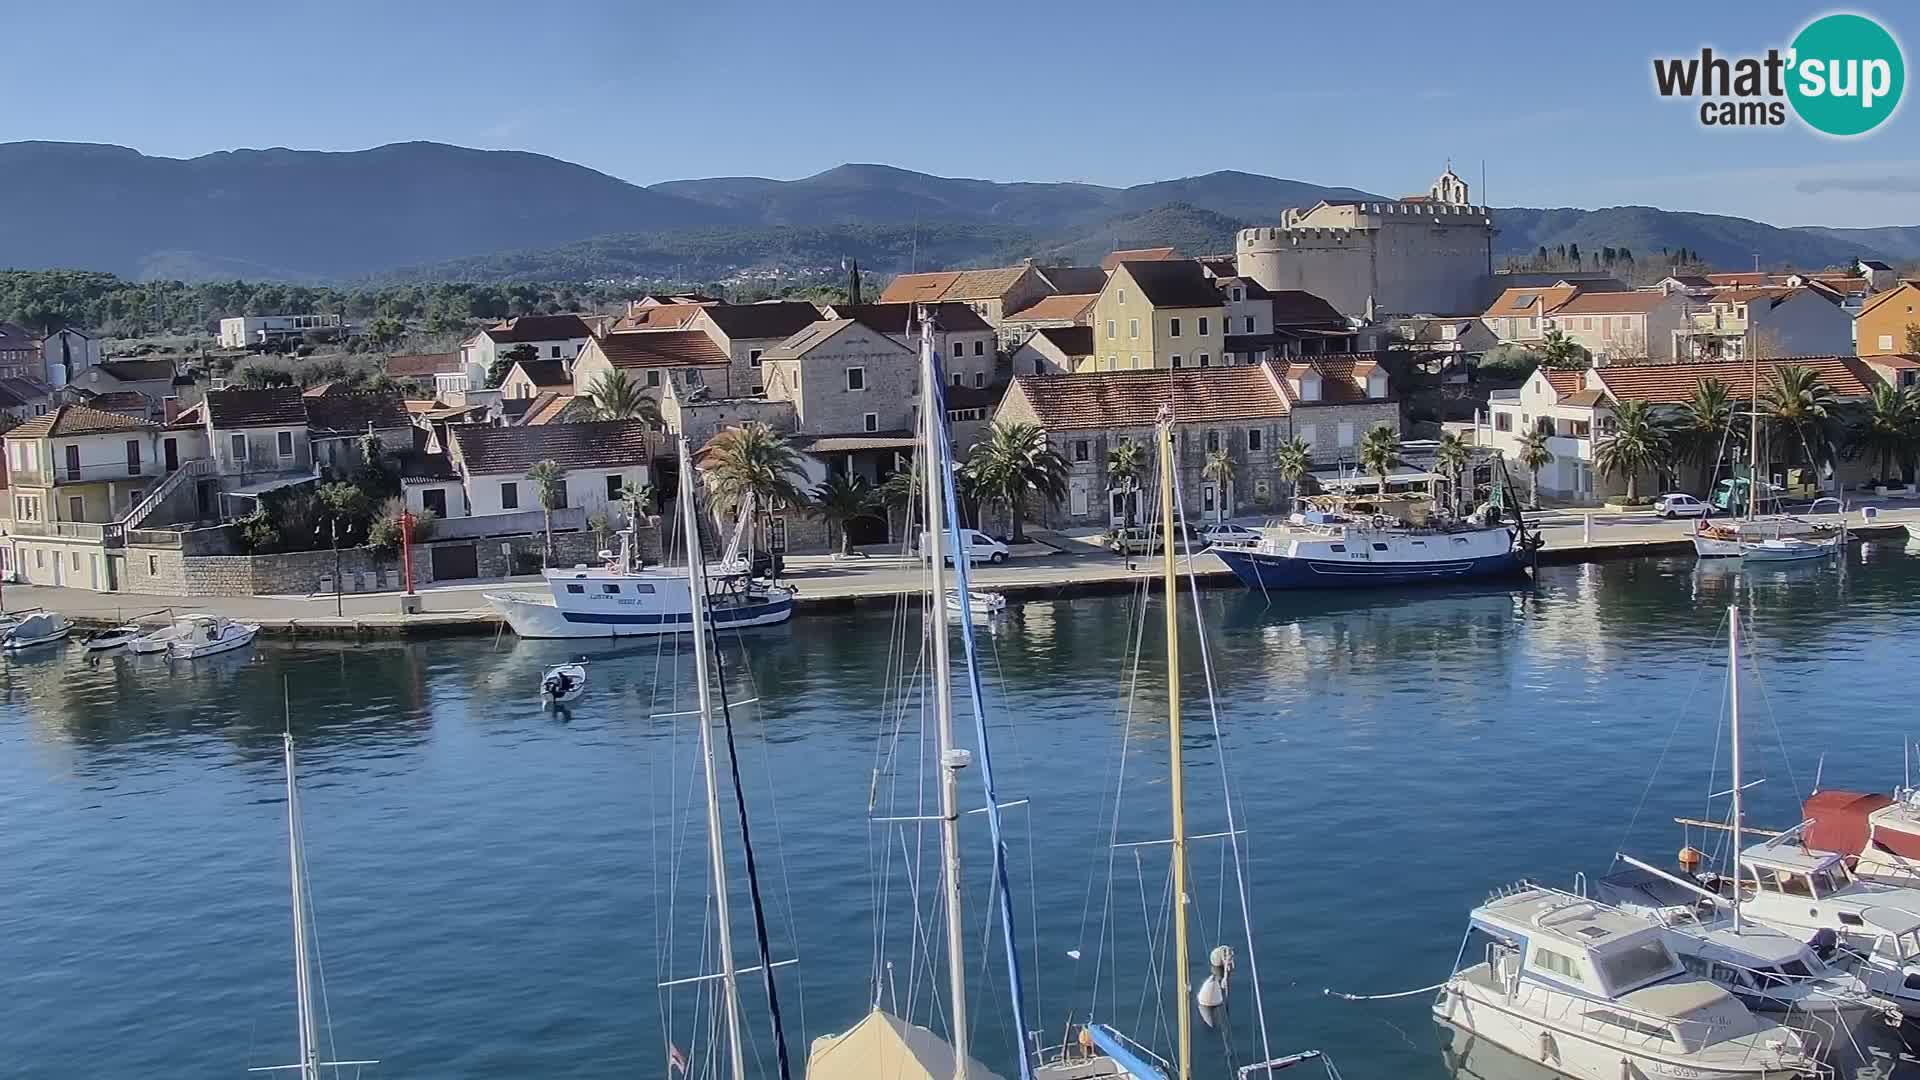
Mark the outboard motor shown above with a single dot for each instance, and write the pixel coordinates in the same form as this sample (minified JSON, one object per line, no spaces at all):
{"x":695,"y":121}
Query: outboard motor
{"x":555,"y":685}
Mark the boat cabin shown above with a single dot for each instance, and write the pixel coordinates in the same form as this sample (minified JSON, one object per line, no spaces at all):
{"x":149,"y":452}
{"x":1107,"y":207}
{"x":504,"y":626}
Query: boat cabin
{"x":1792,"y":871}
{"x":1785,"y":885}
{"x":1573,"y":942}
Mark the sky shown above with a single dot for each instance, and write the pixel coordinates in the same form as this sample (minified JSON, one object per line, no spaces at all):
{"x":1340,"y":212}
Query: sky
{"x":1557,"y":104}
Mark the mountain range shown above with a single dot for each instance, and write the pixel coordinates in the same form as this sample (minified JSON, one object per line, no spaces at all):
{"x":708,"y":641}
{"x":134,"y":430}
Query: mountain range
{"x":422,"y":210}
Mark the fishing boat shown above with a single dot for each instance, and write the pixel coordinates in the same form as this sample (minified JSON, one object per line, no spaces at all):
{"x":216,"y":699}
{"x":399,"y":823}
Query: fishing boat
{"x":1733,"y":539}
{"x":1597,"y":994}
{"x":620,"y":599}
{"x":209,"y":635}
{"x":39,"y":628}
{"x":883,"y":1044}
{"x":305,"y":949}
{"x":1353,"y":541}
{"x":563,"y":683}
{"x":111,"y":638}
{"x":1094,"y":1048}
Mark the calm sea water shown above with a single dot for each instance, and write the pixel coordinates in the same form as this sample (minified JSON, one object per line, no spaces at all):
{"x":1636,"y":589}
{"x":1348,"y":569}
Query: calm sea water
{"x":498,"y":888}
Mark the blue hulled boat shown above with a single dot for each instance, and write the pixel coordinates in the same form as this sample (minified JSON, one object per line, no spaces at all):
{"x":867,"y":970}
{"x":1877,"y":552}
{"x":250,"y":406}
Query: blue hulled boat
{"x":1351,"y":542}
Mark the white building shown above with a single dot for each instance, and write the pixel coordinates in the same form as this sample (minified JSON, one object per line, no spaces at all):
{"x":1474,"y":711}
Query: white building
{"x":245,"y":332}
{"x":537,"y":337}
{"x":599,"y":458}
{"x":66,"y":353}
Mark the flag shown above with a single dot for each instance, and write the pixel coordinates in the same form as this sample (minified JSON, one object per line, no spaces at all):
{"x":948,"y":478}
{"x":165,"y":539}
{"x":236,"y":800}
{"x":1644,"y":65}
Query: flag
{"x":676,"y":1059}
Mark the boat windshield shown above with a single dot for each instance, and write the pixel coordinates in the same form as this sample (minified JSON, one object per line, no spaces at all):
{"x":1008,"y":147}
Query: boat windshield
{"x":1903,"y":947}
{"x":1635,"y":967}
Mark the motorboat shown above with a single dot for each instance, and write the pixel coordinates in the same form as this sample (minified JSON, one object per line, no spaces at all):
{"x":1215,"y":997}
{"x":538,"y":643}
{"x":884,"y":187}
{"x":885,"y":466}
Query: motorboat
{"x":981,"y":605}
{"x":39,"y":628}
{"x":113,"y":637}
{"x":1769,"y":971}
{"x":1880,"y":832}
{"x":618,"y":599}
{"x":208,"y":635}
{"x":1788,"y":549}
{"x":563,"y":683}
{"x":1353,"y":541}
{"x":1595,"y":993}
{"x":160,"y":639}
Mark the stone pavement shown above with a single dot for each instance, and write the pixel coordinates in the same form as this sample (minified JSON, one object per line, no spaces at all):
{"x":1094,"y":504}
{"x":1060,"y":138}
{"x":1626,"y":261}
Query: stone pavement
{"x":822,"y":580}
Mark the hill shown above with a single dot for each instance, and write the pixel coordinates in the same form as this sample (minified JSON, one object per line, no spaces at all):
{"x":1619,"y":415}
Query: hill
{"x":1725,"y":242}
{"x":1900,"y":242}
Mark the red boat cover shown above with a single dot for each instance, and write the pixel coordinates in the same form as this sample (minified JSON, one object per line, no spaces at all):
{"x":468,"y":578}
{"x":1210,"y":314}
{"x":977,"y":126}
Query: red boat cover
{"x":1840,"y":819}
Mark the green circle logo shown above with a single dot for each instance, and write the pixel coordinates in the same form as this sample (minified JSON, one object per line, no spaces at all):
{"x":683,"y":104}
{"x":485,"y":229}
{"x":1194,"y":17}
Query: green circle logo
{"x":1847,"y":74}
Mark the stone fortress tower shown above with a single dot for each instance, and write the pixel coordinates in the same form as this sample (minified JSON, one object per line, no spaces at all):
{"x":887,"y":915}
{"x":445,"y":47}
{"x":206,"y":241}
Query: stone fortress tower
{"x":1426,"y":254}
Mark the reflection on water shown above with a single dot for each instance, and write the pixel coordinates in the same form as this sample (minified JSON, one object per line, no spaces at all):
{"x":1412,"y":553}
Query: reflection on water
{"x":493,"y":881}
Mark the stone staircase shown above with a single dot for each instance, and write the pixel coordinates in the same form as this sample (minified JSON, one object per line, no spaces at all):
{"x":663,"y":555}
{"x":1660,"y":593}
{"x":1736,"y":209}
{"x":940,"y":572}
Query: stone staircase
{"x":143,"y":509}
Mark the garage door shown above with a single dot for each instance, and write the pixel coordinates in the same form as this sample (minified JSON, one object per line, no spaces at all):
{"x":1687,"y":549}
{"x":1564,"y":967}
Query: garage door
{"x":452,"y":561}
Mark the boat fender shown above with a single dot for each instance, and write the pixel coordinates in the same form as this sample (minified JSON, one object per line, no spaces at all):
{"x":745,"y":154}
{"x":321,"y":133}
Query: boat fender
{"x":1546,"y":1047}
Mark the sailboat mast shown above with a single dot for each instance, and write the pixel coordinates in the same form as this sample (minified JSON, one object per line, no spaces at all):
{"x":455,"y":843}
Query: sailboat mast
{"x":1733,"y":696}
{"x":302,"y":973}
{"x":951,"y":760}
{"x":1753,"y":443}
{"x":697,"y":599}
{"x":1182,"y":979}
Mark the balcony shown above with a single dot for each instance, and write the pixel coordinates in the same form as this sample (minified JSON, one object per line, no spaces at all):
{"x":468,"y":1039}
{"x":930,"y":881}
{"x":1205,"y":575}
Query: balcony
{"x":104,"y":471}
{"x":110,"y":534}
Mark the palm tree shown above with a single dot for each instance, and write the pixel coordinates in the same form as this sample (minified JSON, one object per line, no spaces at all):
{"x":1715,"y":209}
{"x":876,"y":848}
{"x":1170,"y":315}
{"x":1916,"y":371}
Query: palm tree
{"x":1557,"y":350}
{"x":1452,"y":457}
{"x":1377,"y":449}
{"x":550,"y":488}
{"x":613,"y":396}
{"x":1638,"y":444}
{"x":1219,"y":469}
{"x":1014,"y":463}
{"x":900,"y":493}
{"x":1799,"y":408}
{"x":1535,"y":456}
{"x":843,"y":498}
{"x":1291,"y":461}
{"x":753,"y":460}
{"x":1703,"y":427}
{"x":1887,"y":430}
{"x":1125,"y":464}
{"x":639,"y":499}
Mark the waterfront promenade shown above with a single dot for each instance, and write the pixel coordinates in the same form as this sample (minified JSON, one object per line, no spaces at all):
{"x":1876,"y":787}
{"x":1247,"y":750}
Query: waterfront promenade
{"x":1059,"y":566}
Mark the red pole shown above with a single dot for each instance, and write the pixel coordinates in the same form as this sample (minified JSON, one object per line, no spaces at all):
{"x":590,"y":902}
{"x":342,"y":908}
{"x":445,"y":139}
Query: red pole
{"x":406,"y":546}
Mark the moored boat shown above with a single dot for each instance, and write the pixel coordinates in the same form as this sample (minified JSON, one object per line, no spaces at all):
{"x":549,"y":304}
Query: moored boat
{"x":1353,"y":541}
{"x":1789,"y":549}
{"x":209,"y":635}
{"x":111,"y":638}
{"x":979,"y":604}
{"x":563,"y":683}
{"x":39,"y":628}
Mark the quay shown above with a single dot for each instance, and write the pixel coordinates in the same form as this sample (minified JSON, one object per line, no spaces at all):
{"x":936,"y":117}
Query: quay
{"x":1053,"y":567}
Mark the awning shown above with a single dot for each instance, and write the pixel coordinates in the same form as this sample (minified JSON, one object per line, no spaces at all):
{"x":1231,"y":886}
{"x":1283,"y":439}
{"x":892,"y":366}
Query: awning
{"x":842,"y":444}
{"x":1348,"y":480}
{"x":254,"y":491}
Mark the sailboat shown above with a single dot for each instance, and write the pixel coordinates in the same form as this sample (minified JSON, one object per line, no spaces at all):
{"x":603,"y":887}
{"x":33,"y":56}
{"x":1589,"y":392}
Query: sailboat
{"x":1757,"y":537}
{"x":309,"y":1065}
{"x":698,"y":593}
{"x":883,"y":1044}
{"x":1098,"y":1049}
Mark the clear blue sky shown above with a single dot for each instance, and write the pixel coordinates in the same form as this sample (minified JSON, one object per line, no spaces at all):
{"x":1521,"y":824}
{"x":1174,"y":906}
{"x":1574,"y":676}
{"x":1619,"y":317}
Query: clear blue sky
{"x":1557,"y":101}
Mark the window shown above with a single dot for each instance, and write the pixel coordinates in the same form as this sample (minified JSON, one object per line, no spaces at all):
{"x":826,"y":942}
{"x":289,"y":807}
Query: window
{"x":979,"y":380}
{"x":1109,"y":329}
{"x":559,"y":494}
{"x":1254,"y":438}
{"x":1345,"y":433}
{"x":556,"y":352}
{"x":1133,"y":361}
{"x":1173,"y":327}
{"x":133,"y":456}
{"x":40,"y":558}
{"x":239,"y":445}
{"x":1502,"y":421}
{"x":1643,"y":963}
{"x":856,"y":378}
{"x":509,"y":496}
{"x":1249,"y":324}
{"x":1205,"y":360}
{"x":576,"y":589}
{"x":76,"y":508}
{"x":956,"y":378}
{"x":1039,"y":367}
{"x":1237,"y":294}
{"x":610,"y":590}
{"x":153,"y":565}
{"x":1203,"y":326}
{"x":1262,"y":489}
{"x":753,"y":356}
{"x":979,"y":346}
{"x":1133,"y":328}
{"x":653,"y":377}
{"x":1176,"y":359}
{"x":642,"y":588}
{"x":1886,"y":342}
{"x":870,"y":421}
{"x":695,"y":378}
{"x":1080,"y":449}
{"x":1123,"y":296}
{"x":613,"y":487}
{"x":1557,"y":963}
{"x":284,"y":443}
{"x":1337,"y":547}
{"x":759,"y":389}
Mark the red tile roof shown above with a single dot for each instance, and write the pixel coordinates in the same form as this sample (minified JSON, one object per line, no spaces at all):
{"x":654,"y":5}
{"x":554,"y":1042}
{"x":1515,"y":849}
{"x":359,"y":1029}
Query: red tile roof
{"x":79,"y":420}
{"x":1069,"y":307}
{"x":528,"y":328}
{"x":1611,"y":303}
{"x":281,"y":406}
{"x":422,"y":365}
{"x":1154,"y":254}
{"x":604,"y":444}
{"x":1536,"y":301}
{"x":1565,"y":382}
{"x":1846,"y":376}
{"x":659,"y":348}
{"x":1110,"y":399}
{"x":952,"y":285}
{"x":658,"y":317}
{"x":774,"y":319}
{"x":1342,"y":376}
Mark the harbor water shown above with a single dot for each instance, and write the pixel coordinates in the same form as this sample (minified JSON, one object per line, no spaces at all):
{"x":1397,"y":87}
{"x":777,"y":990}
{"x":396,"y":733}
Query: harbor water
{"x":498,"y":888}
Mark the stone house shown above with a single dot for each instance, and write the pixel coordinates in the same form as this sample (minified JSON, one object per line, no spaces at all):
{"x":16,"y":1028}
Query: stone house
{"x":422,"y":368}
{"x":22,"y":399}
{"x":1053,"y":350}
{"x":153,"y":379}
{"x":553,"y":337}
{"x":73,"y":475}
{"x":968,"y":347}
{"x":744,"y":332}
{"x":1887,"y":318}
{"x":992,"y":294}
{"x":1162,"y":314}
{"x":651,"y":357}
{"x":600,"y":457}
{"x":845,"y":378}
{"x":1247,"y":411}
{"x":528,"y":379}
{"x":19,"y":353}
{"x":337,"y":421}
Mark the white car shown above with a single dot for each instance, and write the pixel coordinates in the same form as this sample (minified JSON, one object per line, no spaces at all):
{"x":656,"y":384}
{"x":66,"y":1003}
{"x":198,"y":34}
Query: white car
{"x":980,"y":547}
{"x":1678,"y":505}
{"x":1227,"y":534}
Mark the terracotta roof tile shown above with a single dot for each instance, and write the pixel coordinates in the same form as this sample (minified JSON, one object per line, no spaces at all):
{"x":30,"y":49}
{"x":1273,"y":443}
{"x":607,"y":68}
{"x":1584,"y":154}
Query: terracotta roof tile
{"x":1846,"y":376}
{"x":1611,"y":303}
{"x":1070,"y":307}
{"x":775,"y":319}
{"x":603,"y":444}
{"x":1526,"y":301}
{"x":79,"y":420}
{"x":659,"y":317}
{"x":546,"y":373}
{"x":1342,"y":376}
{"x":1565,"y":382}
{"x":898,"y":318}
{"x":352,"y":412}
{"x":528,"y":328}
{"x":952,"y":285}
{"x":659,"y":348}
{"x":283,"y":406}
{"x":1154,"y":254}
{"x":422,"y":365}
{"x":1110,"y":399}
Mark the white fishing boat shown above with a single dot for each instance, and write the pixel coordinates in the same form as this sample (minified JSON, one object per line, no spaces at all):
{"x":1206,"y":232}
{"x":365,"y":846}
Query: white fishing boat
{"x":39,"y":628}
{"x":111,"y":638}
{"x":563,"y":683}
{"x":1789,"y":549}
{"x":1596,"y":994}
{"x":981,"y":605}
{"x":210,"y":635}
{"x":1731,"y":539}
{"x":618,"y":599}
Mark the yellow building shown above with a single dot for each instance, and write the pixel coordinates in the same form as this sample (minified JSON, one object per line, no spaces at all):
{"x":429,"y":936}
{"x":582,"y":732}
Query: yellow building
{"x":1882,"y":326}
{"x":1164,"y":314}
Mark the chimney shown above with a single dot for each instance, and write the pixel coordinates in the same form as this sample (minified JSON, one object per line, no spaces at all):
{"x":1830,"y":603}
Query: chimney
{"x":170,"y":409}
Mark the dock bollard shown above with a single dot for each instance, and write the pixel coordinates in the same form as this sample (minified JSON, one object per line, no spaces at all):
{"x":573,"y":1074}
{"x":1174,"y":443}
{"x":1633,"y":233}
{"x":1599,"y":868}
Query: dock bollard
{"x":1586,"y":528}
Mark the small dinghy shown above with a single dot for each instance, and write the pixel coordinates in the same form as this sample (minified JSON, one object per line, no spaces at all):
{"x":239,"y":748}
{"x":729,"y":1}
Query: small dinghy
{"x":564,"y":683}
{"x":40,"y":628}
{"x":114,"y":637}
{"x":979,"y":604}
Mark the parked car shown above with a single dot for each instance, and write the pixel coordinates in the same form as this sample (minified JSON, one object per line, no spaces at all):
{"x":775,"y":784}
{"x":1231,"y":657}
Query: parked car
{"x":980,"y":547}
{"x":1679,"y":504}
{"x":1227,"y":534}
{"x":1146,"y":541}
